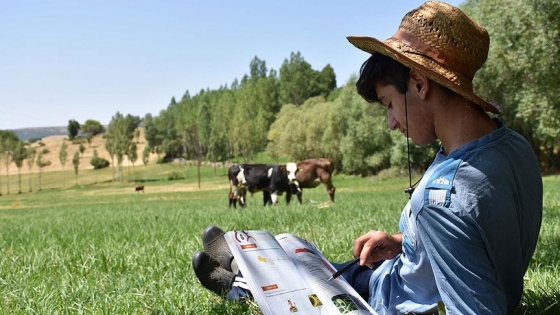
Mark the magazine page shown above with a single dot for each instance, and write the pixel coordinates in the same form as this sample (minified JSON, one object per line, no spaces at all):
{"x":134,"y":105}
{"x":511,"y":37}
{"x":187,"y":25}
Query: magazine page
{"x":288,"y":275}
{"x":336,"y":295}
{"x":274,"y":280}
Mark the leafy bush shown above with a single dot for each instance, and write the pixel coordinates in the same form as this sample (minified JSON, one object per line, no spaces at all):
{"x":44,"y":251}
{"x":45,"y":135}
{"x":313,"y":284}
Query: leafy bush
{"x":98,"y":162}
{"x":79,"y":140}
{"x":175,"y":176}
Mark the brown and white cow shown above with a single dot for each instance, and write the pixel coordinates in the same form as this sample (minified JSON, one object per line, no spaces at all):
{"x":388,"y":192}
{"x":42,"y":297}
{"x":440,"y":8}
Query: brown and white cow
{"x":271,"y":179}
{"x":309,"y":174}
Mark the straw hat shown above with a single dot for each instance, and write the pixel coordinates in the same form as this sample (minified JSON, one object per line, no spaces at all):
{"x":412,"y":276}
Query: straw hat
{"x":440,"y":41}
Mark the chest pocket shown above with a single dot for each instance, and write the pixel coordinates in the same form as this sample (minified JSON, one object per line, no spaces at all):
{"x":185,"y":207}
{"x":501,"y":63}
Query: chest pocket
{"x":440,"y":185}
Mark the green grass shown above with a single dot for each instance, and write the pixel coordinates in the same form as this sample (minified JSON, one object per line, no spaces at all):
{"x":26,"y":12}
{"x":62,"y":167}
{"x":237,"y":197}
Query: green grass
{"x":99,"y":248}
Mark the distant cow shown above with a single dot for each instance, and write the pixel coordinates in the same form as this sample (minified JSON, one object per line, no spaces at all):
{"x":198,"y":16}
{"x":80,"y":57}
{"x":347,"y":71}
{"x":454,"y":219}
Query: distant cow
{"x":271,"y":179}
{"x":139,"y":189}
{"x":310,"y":173}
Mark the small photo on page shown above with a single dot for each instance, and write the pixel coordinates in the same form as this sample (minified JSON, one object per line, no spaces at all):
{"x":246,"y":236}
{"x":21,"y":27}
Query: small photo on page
{"x":345,"y":303}
{"x":314,"y":299}
{"x":292,"y":306}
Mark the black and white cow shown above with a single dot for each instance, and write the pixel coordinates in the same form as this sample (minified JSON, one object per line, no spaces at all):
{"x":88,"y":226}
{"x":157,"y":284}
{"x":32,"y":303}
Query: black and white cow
{"x":271,"y":179}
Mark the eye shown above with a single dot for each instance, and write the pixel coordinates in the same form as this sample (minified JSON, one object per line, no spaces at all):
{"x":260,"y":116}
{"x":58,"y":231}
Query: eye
{"x":389,"y":106}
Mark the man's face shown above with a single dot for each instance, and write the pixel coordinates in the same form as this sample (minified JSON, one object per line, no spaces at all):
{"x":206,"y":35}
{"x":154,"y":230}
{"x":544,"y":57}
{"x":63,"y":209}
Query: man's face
{"x":420,"y":123}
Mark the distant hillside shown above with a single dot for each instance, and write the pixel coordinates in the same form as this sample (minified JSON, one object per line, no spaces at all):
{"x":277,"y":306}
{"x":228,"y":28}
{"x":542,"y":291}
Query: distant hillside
{"x":25,"y":134}
{"x":52,"y":144}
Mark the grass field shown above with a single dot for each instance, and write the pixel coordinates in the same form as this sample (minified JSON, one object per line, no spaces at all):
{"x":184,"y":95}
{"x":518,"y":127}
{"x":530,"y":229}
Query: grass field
{"x":100,"y":248}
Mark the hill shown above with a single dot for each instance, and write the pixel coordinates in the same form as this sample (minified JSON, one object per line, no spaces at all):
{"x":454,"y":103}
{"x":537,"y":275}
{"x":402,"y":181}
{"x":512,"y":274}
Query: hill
{"x":25,"y":134}
{"x":53,"y":143}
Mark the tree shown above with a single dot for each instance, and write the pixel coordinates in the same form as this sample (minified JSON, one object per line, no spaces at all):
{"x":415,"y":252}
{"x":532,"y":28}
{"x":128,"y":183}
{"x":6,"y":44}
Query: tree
{"x":186,"y":125}
{"x":296,"y":83}
{"x":82,"y":149}
{"x":110,"y":147}
{"x":276,"y":146}
{"x":63,"y":156}
{"x":255,"y":105}
{"x":73,"y":129}
{"x":120,"y":134}
{"x":299,"y":82}
{"x":167,"y":128}
{"x":326,"y":81}
{"x":146,"y":155}
{"x":8,"y":155}
{"x":76,"y":163}
{"x":257,"y":69}
{"x":521,"y":72}
{"x":88,"y":139}
{"x":31,"y":154}
{"x":132,"y":154}
{"x":92,"y":127}
{"x":19,"y":155}
{"x":151,"y":132}
{"x":137,"y":135}
{"x":7,"y":141}
{"x":41,"y":164}
{"x":220,"y":142}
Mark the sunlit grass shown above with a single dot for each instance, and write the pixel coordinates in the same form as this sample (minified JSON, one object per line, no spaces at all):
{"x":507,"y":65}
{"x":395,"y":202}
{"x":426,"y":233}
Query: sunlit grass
{"x":101,"y":248}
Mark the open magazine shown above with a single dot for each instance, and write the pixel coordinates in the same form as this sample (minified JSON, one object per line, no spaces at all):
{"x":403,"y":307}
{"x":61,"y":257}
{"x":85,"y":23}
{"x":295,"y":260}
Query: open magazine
{"x":287,"y":274}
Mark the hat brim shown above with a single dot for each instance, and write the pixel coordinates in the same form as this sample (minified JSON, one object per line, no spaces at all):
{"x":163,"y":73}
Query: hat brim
{"x":416,"y":60}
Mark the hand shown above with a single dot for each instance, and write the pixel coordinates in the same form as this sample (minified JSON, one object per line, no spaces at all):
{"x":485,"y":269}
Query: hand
{"x":375,"y":246}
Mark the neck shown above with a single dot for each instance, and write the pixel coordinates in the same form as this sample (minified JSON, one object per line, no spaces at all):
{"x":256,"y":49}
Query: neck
{"x":459,"y":122}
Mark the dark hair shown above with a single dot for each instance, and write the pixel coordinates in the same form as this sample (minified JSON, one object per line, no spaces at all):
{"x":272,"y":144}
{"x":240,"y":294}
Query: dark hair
{"x":385,"y":71}
{"x":380,"y":69}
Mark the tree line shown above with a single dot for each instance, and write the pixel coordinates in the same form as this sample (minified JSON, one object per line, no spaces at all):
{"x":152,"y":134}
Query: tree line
{"x":299,"y":112}
{"x":296,"y":113}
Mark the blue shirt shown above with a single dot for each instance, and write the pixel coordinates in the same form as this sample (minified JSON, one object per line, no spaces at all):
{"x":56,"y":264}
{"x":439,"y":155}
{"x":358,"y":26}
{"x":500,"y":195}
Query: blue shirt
{"x":469,"y":231}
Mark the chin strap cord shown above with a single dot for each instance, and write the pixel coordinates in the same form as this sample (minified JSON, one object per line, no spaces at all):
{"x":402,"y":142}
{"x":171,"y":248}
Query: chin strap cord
{"x":411,"y":187}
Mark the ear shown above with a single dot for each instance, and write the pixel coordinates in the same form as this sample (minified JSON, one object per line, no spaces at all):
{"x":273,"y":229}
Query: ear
{"x":419,"y":83}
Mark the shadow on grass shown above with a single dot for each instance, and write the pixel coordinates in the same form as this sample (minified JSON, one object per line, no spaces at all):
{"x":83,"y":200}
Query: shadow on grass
{"x":539,"y":302}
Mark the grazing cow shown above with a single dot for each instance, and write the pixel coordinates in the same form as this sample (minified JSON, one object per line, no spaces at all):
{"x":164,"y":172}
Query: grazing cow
{"x":271,"y":179}
{"x":309,"y":174}
{"x":139,"y":189}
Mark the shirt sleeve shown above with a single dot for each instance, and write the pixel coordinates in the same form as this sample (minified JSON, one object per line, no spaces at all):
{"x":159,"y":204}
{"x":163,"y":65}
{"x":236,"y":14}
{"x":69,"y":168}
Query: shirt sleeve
{"x":463,"y":271}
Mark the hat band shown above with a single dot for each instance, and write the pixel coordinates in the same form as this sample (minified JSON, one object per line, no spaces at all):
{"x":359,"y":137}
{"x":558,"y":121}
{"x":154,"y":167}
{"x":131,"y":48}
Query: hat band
{"x":445,"y":60}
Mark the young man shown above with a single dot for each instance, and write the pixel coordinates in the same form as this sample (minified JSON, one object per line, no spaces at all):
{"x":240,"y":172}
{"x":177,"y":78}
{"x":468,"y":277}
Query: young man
{"x":471,"y":226}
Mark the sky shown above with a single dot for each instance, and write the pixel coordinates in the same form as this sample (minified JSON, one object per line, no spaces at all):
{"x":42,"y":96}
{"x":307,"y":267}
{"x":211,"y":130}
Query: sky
{"x":64,"y":60}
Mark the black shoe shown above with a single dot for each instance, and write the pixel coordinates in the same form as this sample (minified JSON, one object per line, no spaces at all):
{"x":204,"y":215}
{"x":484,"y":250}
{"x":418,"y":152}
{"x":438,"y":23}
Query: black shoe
{"x":216,"y":246}
{"x":210,"y":274}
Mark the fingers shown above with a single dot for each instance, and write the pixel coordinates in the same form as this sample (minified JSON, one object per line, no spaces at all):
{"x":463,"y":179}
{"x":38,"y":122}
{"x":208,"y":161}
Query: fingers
{"x":359,"y":244}
{"x":375,"y":246}
{"x":367,"y":246}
